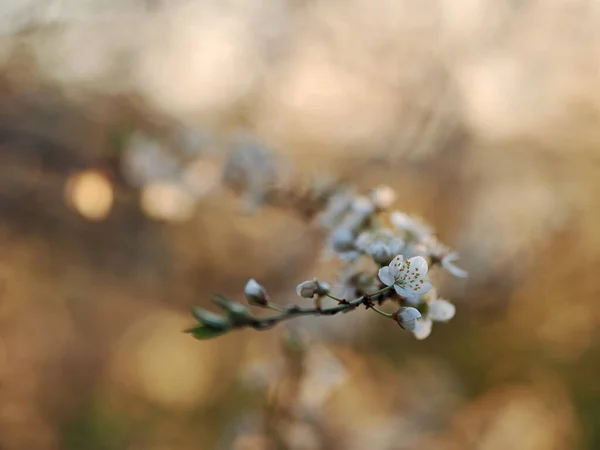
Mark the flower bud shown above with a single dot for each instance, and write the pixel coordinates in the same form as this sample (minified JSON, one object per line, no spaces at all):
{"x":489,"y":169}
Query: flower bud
{"x":256,"y":294}
{"x":308,"y":289}
{"x":383,"y":197}
{"x":407,"y":318}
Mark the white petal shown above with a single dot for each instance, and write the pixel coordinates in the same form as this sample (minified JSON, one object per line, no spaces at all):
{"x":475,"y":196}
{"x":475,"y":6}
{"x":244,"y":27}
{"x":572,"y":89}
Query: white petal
{"x":385,"y":276}
{"x":364,"y":240}
{"x":450,"y":257}
{"x":253,"y":288}
{"x":423,"y":328}
{"x":363,"y":206}
{"x":306,"y":289}
{"x":407,"y":294}
{"x":397,"y":265}
{"x":400,"y":220}
{"x":423,"y":288}
{"x":349,"y":256}
{"x":380,"y":252}
{"x":417,"y":265}
{"x":441,"y":310}
{"x":409,"y":313}
{"x":396,"y":245}
{"x":455,"y":270}
{"x":448,"y":264}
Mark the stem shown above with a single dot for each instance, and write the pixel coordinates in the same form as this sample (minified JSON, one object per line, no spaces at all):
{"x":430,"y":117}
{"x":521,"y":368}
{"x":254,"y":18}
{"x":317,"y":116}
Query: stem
{"x":263,"y":323}
{"x":383,"y":313}
{"x":277,"y":308}
{"x":341,"y":300}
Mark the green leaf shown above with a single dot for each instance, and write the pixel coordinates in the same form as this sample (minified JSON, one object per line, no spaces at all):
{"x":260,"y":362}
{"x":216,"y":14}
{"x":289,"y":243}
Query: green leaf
{"x":237,"y":312}
{"x":203,"y":332}
{"x":211,"y":320}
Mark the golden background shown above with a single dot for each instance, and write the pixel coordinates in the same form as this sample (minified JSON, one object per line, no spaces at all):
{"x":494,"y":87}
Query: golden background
{"x":482,"y":115}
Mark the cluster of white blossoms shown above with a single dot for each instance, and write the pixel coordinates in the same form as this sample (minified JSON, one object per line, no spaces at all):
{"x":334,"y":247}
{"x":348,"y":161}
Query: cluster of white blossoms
{"x":388,"y":257}
{"x":382,"y":248}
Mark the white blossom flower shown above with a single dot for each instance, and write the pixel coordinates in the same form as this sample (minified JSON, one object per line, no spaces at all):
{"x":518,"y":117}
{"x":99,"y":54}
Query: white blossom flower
{"x":407,"y":318}
{"x":438,"y":310}
{"x":407,"y":276}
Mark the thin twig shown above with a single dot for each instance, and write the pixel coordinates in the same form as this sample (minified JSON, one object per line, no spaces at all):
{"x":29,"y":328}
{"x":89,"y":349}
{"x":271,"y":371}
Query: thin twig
{"x":262,"y":323}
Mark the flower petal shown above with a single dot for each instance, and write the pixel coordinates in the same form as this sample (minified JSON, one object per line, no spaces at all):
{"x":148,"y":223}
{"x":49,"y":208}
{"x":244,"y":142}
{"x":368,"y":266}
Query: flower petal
{"x":423,"y":328}
{"x":417,"y":265}
{"x":422,"y":288}
{"x":396,"y":245}
{"x":408,"y":294}
{"x":441,"y":310}
{"x":385,"y":276}
{"x":397,"y":265}
{"x":455,"y":270}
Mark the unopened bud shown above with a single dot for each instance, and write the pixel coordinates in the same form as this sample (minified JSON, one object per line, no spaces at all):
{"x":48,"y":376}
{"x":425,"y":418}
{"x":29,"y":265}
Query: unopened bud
{"x":383,"y":197}
{"x":310,"y":288}
{"x":256,"y":294}
{"x":407,"y":318}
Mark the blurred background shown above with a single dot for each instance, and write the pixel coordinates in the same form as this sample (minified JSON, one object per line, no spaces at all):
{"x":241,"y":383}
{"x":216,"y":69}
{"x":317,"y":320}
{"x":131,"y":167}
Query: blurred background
{"x":118,"y":119}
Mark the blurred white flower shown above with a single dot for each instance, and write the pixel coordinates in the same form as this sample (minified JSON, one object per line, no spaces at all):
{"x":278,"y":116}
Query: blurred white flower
{"x":447,"y":262}
{"x":423,"y":328}
{"x":363,"y":206}
{"x":383,"y":197}
{"x":441,"y":310}
{"x":146,"y":160}
{"x":415,"y":227}
{"x":338,"y":205}
{"x":438,"y":310}
{"x":343,"y":243}
{"x":381,"y":245}
{"x":380,"y":252}
{"x":407,"y":276}
{"x":342,"y":239}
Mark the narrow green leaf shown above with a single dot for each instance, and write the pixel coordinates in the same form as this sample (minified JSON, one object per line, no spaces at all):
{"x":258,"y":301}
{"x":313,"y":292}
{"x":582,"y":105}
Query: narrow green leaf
{"x":210,"y":319}
{"x":204,"y":332}
{"x":236,"y":312}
